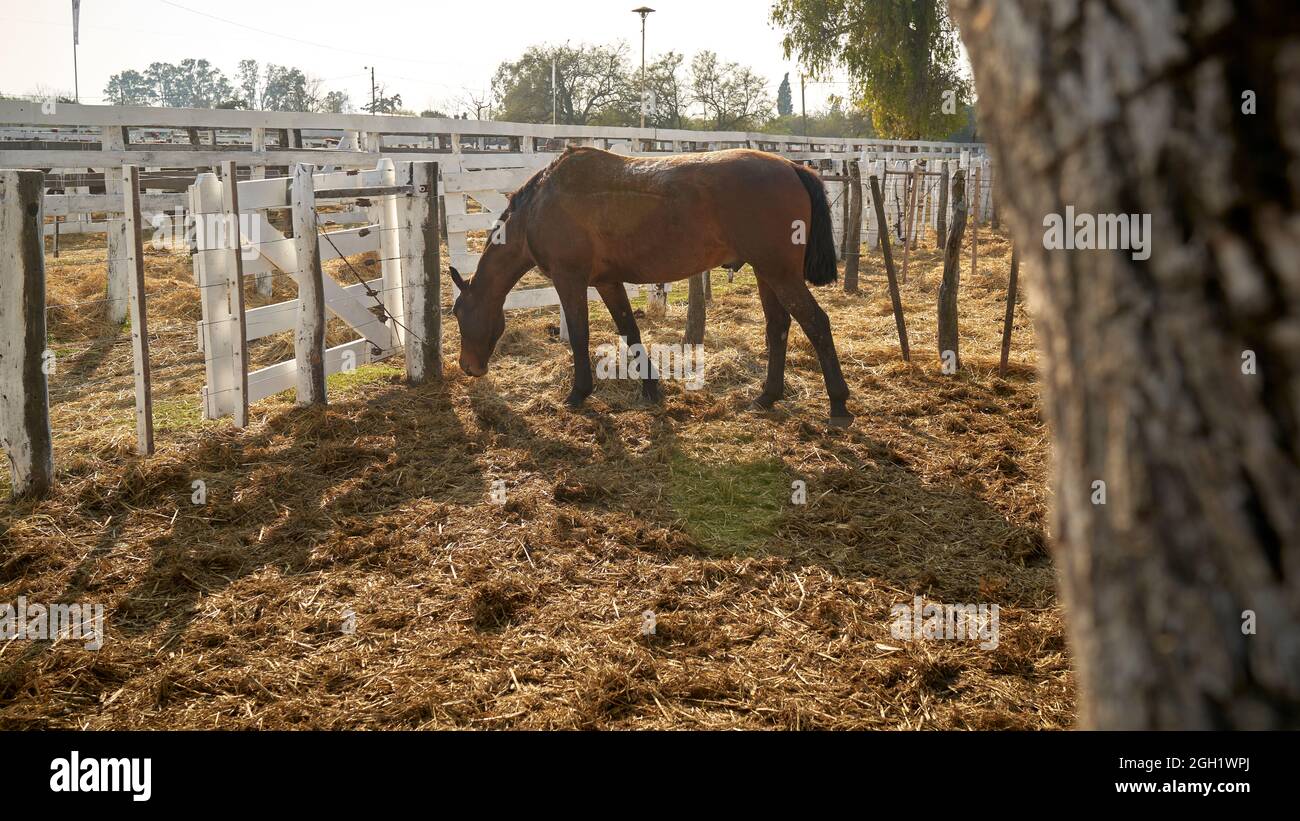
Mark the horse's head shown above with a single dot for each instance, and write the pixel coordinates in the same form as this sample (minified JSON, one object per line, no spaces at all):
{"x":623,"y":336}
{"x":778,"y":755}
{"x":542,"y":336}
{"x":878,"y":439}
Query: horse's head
{"x":482,"y":321}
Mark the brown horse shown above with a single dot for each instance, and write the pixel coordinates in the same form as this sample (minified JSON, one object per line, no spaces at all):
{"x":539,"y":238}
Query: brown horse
{"x":592,"y":218}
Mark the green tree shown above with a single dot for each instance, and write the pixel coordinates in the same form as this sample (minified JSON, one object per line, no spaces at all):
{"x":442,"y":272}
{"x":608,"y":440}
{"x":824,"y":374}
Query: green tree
{"x":130,"y":87}
{"x":188,"y":84}
{"x":732,"y":95}
{"x":336,"y":102}
{"x":384,"y":103}
{"x":784,"y":101}
{"x":901,"y":55}
{"x":250,"y":83}
{"x":289,"y":89}
{"x":590,"y":82}
{"x":668,"y":92}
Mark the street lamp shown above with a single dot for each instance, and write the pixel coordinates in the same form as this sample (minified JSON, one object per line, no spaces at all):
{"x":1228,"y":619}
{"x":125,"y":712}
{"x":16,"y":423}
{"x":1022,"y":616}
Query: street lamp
{"x":644,"y":11}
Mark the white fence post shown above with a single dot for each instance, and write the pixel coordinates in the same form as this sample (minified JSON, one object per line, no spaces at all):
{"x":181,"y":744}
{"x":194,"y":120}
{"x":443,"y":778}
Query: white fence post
{"x":139,"y":314}
{"x":213,"y":263}
{"x":422,"y":276}
{"x":266,"y":280}
{"x":309,"y":341}
{"x":234,"y":268}
{"x":114,"y":139}
{"x":24,"y":388}
{"x":390,"y":251}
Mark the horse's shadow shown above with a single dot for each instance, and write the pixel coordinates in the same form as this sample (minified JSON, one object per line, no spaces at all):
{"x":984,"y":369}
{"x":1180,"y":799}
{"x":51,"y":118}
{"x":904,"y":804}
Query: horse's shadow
{"x":872,"y":517}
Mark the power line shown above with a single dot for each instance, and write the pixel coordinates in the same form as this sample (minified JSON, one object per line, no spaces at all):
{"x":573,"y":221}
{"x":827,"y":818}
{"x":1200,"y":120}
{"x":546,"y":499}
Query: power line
{"x":311,"y":43}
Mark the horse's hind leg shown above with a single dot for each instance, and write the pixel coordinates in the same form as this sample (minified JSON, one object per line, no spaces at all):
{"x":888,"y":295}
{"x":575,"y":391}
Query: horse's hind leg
{"x":799,"y":301}
{"x":778,"y":334}
{"x":573,"y":298}
{"x":615,"y":297}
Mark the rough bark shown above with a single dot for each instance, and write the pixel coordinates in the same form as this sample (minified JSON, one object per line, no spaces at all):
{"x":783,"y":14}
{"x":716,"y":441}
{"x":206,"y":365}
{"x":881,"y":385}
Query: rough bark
{"x":853,"y":229}
{"x":894,"y":298}
{"x":947,"y":336}
{"x":941,"y":229}
{"x":1125,"y":107}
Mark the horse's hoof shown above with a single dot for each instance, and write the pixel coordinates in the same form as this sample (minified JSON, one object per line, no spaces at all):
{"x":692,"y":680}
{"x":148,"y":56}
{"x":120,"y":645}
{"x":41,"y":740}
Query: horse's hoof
{"x":765,"y":401}
{"x":841,"y":421}
{"x":574,"y":401}
{"x":652,"y":396}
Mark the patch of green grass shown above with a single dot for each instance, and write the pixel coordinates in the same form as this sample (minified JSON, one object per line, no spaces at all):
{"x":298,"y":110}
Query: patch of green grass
{"x":680,"y":293}
{"x":363,"y":375}
{"x":178,"y":414}
{"x":728,"y":506}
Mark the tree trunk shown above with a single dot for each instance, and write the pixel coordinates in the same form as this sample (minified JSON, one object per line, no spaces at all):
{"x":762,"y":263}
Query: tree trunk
{"x":951,"y":275}
{"x":941,"y":229}
{"x":695,"y":311}
{"x":895,"y":299}
{"x":1175,"y":380}
{"x":853,"y":228}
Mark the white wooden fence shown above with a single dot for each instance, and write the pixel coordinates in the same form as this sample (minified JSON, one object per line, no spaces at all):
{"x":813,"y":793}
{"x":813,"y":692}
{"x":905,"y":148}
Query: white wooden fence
{"x":224,"y":208}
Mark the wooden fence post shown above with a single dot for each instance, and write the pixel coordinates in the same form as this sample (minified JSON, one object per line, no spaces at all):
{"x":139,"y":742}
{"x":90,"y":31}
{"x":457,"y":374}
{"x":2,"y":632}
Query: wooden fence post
{"x":114,"y":139}
{"x":846,"y":208}
{"x":917,"y":227}
{"x":941,"y":231}
{"x":656,"y":303}
{"x":1010,"y":318}
{"x":695,"y":310}
{"x":309,"y":341}
{"x":948,"y":336}
{"x":422,"y":277}
{"x":974,"y":208}
{"x":234,"y":268}
{"x":24,"y":388}
{"x":908,"y":205}
{"x":894,"y":298}
{"x":853,"y":229}
{"x":990,"y":184}
{"x":213,"y":261}
{"x":266,"y":280}
{"x":390,"y":253}
{"x":139,"y":315}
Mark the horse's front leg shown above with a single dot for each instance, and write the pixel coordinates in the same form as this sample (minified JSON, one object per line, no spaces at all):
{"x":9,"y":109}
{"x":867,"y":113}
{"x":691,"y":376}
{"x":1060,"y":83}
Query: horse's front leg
{"x":573,"y":299}
{"x":620,"y":310}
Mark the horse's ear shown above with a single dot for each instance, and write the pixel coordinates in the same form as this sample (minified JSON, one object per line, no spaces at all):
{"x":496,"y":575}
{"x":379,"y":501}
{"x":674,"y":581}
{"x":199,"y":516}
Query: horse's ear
{"x":456,"y":278}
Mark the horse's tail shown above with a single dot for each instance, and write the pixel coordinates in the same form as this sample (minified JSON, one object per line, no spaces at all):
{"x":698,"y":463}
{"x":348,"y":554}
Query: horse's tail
{"x":819,"y":254}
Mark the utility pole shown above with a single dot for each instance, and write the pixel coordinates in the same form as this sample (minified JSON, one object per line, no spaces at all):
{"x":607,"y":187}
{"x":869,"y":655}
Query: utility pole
{"x":554,"y":92}
{"x":644,"y":11}
{"x":373,"y":103}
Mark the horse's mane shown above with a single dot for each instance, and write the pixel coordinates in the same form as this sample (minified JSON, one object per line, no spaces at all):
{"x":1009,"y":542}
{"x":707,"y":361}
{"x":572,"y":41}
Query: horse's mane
{"x":524,"y":195}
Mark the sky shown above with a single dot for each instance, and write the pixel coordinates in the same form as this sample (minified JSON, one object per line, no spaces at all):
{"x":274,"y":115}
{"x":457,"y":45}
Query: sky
{"x":432,"y":52}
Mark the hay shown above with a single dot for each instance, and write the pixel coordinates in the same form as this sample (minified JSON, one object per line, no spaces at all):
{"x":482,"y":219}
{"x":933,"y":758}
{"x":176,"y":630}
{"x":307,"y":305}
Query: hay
{"x":528,"y":615}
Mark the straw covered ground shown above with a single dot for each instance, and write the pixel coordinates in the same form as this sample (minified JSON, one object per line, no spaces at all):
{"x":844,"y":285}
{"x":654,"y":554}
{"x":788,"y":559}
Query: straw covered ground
{"x":468,"y":614}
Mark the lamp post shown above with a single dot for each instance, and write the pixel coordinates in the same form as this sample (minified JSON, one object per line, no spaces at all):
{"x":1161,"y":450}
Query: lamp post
{"x":644,"y":11}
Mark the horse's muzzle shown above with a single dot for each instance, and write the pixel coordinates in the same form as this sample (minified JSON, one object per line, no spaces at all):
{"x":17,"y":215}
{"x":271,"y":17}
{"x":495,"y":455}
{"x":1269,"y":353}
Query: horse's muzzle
{"x":472,"y":371}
